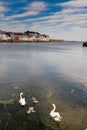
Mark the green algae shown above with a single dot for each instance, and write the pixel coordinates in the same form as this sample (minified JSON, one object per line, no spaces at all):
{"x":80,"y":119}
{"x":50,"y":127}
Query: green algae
{"x":49,"y":94}
{"x":7,"y":102}
{"x":16,"y":87}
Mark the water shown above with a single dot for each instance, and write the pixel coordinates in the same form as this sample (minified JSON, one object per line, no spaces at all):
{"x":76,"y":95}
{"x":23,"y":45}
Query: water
{"x":51,"y":72}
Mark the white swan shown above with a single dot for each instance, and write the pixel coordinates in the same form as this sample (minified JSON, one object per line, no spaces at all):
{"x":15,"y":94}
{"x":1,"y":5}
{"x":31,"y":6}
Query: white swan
{"x":31,"y":110}
{"x":34,"y":100}
{"x":55,"y":115}
{"x":22,"y":100}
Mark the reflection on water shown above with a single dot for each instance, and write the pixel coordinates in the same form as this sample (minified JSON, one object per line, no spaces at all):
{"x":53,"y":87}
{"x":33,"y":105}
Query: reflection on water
{"x":51,"y":72}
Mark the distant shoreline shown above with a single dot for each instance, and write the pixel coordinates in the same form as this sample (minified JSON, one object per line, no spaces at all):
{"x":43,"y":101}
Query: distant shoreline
{"x":51,"y":40}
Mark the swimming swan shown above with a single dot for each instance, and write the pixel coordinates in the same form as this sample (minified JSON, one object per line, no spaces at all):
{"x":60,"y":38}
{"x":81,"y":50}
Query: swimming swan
{"x":55,"y":115}
{"x":31,"y":110}
{"x":34,"y":100}
{"x":22,"y":100}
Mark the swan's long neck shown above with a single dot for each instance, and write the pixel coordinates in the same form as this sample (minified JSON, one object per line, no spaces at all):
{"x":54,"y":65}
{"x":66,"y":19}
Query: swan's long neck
{"x":54,"y":107}
{"x":21,"y":95}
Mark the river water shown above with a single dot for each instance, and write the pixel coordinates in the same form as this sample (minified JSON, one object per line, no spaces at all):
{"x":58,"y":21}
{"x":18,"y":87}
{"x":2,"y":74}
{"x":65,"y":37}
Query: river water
{"x":52,"y":73}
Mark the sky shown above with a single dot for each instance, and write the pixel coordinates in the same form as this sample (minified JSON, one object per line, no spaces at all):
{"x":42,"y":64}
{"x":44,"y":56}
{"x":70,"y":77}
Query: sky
{"x":60,"y":19}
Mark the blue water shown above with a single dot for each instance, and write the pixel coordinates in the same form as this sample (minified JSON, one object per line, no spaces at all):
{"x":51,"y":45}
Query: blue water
{"x":24,"y":60}
{"x":54,"y":73}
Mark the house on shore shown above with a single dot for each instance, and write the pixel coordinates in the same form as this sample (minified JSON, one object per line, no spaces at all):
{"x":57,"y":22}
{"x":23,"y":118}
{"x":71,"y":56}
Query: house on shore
{"x":20,"y":37}
{"x":28,"y":36}
{"x":4,"y":36}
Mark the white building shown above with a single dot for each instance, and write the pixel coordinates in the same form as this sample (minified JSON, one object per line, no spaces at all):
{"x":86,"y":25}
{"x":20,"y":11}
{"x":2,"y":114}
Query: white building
{"x":4,"y":37}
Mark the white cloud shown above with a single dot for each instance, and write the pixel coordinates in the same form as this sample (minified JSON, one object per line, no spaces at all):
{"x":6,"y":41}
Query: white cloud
{"x":1,"y":15}
{"x":32,"y":9}
{"x":74,"y":3}
{"x":70,"y":23}
{"x":37,"y":6}
{"x":30,"y":13}
{"x":75,"y":33}
{"x":3,"y":7}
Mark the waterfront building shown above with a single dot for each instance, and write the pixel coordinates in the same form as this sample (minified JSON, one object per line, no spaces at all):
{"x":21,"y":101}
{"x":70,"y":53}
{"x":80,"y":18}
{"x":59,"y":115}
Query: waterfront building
{"x":28,"y":36}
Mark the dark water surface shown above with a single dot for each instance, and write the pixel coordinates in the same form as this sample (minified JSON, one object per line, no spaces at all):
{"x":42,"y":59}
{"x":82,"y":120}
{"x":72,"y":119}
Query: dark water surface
{"x":51,"y":72}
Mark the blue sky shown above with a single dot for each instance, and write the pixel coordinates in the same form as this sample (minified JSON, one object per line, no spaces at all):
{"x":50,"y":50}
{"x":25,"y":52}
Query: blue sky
{"x":60,"y":19}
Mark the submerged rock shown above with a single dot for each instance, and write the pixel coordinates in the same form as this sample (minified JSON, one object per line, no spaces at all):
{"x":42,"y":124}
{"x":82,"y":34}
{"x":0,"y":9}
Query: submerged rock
{"x":85,"y":44}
